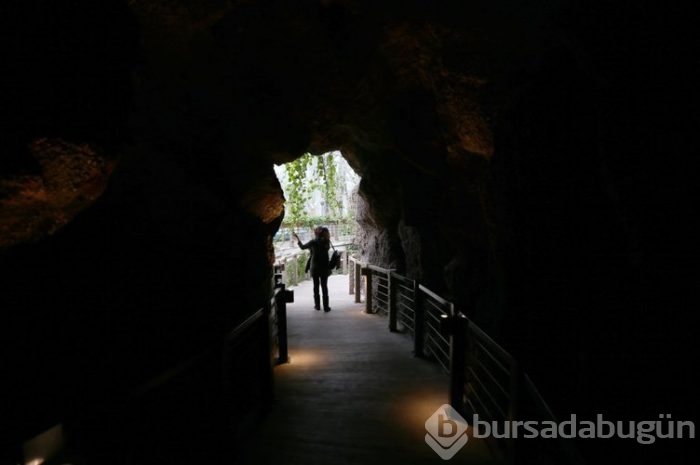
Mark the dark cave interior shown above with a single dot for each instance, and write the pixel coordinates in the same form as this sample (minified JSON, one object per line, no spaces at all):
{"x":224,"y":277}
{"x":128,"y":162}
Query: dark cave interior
{"x":529,"y":161}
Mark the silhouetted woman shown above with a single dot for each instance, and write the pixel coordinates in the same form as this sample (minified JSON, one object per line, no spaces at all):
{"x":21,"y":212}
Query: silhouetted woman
{"x":319,"y":268}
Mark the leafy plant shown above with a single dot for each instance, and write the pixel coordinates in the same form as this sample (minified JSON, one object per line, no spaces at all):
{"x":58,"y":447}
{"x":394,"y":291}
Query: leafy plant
{"x":327,"y":171}
{"x":309,"y":176}
{"x":299,"y":189}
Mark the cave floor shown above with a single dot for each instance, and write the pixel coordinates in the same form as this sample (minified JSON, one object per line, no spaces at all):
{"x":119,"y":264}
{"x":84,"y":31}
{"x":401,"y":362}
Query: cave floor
{"x":352,"y":392}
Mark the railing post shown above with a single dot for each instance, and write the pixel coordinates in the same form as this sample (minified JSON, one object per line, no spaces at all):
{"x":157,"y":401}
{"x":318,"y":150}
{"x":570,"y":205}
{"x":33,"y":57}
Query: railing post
{"x":368,"y":293}
{"x":358,"y":283}
{"x":392,"y":303}
{"x":351,"y":278}
{"x":278,"y":277}
{"x":458,"y":359}
{"x":282,"y":324}
{"x":419,"y":324}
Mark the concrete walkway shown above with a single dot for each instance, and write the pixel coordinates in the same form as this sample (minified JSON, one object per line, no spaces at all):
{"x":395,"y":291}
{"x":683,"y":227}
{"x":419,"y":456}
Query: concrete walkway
{"x":353,"y":393}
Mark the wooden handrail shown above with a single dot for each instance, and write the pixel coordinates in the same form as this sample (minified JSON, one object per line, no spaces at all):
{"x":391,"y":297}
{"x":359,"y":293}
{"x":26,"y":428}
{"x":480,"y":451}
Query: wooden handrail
{"x":402,"y":278}
{"x":245,"y":325}
{"x":504,"y":385}
{"x":433,"y":295}
{"x":378,"y":269}
{"x":357,"y":261}
{"x":165,"y":376}
{"x":490,"y":343}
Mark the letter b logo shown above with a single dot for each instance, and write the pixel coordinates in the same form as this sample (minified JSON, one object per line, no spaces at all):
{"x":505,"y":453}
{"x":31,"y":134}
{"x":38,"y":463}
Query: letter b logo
{"x":446,"y":432}
{"x":441,"y":426}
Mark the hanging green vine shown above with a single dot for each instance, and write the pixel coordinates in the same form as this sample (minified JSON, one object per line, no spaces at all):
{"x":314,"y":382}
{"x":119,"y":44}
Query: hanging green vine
{"x":328,"y":172}
{"x":303,"y":177}
{"x":299,"y":189}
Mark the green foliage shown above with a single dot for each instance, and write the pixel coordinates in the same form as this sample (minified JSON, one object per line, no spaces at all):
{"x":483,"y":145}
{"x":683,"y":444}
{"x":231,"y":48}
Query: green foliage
{"x":294,"y":268}
{"x":292,"y":278}
{"x":299,"y":189}
{"x":327,"y":171}
{"x":301,"y":266}
{"x":338,"y":228}
{"x":306,"y":175}
{"x":311,"y":221}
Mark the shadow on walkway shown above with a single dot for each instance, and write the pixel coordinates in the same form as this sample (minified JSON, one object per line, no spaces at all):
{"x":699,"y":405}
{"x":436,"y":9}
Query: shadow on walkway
{"x":353,"y":393}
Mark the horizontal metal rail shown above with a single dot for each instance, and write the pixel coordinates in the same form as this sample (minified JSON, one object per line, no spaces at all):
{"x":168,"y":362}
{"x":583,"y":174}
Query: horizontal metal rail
{"x":434,"y":311}
{"x":484,"y":378}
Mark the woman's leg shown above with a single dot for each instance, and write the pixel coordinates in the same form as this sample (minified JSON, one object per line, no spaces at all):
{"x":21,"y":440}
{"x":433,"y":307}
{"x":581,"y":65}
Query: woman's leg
{"x":317,"y":298}
{"x":324,"y":288}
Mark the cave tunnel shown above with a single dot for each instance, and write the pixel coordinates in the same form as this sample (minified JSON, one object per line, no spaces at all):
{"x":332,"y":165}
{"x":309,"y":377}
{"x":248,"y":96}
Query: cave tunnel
{"x":528,"y":161}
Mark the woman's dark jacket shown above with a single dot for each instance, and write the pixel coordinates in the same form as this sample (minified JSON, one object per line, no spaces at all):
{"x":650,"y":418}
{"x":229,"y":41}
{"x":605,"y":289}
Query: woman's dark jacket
{"x":319,"y":256}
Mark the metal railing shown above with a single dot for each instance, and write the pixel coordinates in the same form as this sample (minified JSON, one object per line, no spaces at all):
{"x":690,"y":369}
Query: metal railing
{"x":219,"y":392}
{"x":242,"y":362}
{"x":378,"y":291}
{"x":432,"y":310}
{"x":404,"y":294}
{"x":278,"y":323}
{"x":292,"y":267}
{"x":485,"y":379}
{"x":247,"y":350}
{"x":228,"y":382}
{"x":245,"y":355}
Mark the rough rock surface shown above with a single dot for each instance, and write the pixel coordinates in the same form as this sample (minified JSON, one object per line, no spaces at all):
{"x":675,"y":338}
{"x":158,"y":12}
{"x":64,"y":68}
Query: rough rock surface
{"x":71,"y":178}
{"x":523,"y":158}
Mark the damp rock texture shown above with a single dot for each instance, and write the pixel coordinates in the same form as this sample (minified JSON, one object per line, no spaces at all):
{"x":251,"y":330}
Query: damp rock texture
{"x":525,"y":159}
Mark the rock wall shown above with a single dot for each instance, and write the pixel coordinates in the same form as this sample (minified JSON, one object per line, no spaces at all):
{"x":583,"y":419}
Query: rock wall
{"x":525,"y":160}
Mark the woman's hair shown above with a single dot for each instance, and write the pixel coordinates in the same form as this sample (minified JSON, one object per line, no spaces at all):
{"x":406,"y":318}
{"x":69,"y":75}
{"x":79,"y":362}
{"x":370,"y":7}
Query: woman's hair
{"x":324,"y":235}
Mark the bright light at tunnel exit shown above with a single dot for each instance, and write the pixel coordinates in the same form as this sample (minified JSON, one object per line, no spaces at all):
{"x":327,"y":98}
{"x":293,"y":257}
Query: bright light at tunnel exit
{"x":346,"y":182}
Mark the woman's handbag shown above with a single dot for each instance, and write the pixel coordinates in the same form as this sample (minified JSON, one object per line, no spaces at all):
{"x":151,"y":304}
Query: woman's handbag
{"x":334,"y":262}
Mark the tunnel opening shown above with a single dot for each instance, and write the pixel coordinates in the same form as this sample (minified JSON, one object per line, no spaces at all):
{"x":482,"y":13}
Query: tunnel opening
{"x":513,"y":160}
{"x":320,"y":191}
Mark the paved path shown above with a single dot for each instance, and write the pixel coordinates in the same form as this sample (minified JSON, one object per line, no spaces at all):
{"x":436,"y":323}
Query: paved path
{"x":353,"y":392}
